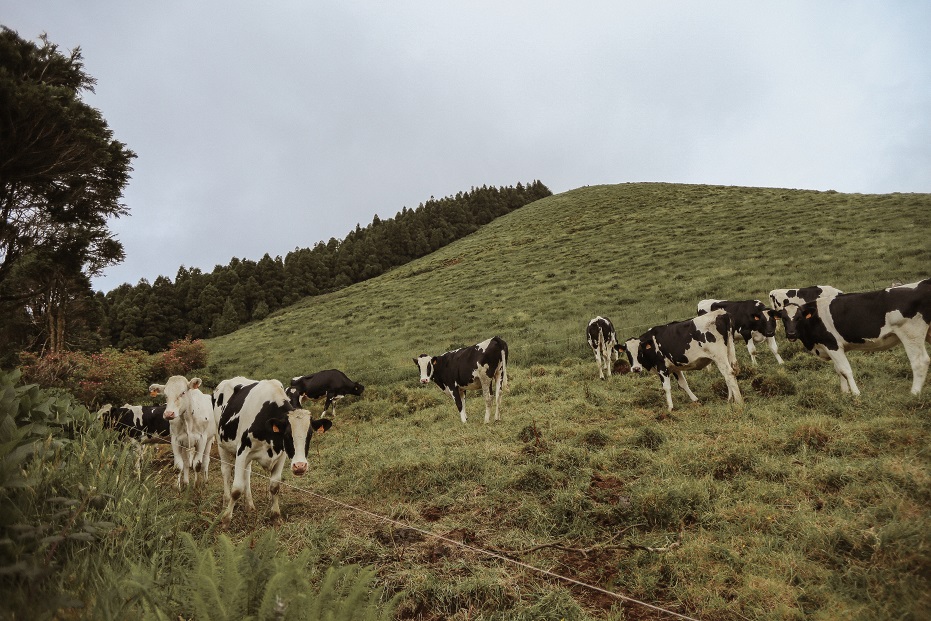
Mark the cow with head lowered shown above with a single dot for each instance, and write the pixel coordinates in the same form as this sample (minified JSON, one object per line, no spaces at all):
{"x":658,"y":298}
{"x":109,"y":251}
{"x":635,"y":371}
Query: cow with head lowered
{"x":602,"y":339}
{"x":189,"y":413}
{"x":871,"y":321}
{"x":258,"y":423}
{"x":480,"y":366}
{"x":751,"y":320}
{"x":331,"y":384}
{"x":686,"y":345}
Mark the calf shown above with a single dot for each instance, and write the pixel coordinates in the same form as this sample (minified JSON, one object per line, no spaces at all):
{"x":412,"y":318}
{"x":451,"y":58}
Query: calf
{"x":193,"y":429}
{"x":602,"y":338}
{"x":258,"y":423}
{"x":871,"y":321}
{"x":332,"y":384}
{"x":751,"y":320}
{"x":686,"y":345}
{"x":478,"y":366}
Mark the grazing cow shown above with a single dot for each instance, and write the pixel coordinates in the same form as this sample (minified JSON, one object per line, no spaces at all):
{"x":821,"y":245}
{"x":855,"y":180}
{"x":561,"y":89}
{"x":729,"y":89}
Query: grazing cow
{"x":193,"y":429}
{"x":258,"y":423}
{"x":751,"y":320}
{"x":145,"y":423}
{"x":684,"y":346}
{"x":781,"y":297}
{"x":472,"y":367}
{"x":871,"y":321}
{"x":332,"y":384}
{"x":602,"y":338}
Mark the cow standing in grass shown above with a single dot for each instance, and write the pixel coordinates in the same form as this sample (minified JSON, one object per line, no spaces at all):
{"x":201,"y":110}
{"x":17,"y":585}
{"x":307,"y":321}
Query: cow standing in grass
{"x":189,"y":413}
{"x":602,"y":339}
{"x":872,"y":321}
{"x":480,"y":366}
{"x":686,"y":345}
{"x":258,"y":423}
{"x":751,"y":320}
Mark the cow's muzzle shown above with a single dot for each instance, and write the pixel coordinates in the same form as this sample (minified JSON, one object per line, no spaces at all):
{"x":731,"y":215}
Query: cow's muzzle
{"x":425,"y":381}
{"x":169,"y":415}
{"x":636,"y":369}
{"x":299,"y":468}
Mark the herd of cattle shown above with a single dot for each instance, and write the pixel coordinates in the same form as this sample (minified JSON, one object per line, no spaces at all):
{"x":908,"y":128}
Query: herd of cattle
{"x":260,"y":420}
{"x":827,"y":321}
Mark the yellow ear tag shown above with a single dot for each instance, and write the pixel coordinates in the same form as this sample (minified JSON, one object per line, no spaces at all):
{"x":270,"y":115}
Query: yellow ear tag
{"x":807,"y":315}
{"x":275,"y":428}
{"x":649,"y":346}
{"x":153,"y":393}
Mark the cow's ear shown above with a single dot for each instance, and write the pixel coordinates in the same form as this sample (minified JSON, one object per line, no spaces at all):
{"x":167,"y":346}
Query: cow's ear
{"x":195,"y":383}
{"x":434,"y":360}
{"x":156,"y":389}
{"x":415,"y":361}
{"x":756,"y":318}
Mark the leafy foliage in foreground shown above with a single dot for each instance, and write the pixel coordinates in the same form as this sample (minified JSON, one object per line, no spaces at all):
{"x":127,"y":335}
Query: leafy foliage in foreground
{"x":79,"y":529}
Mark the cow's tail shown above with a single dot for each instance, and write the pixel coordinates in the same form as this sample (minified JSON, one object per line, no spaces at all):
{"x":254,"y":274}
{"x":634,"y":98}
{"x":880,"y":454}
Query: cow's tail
{"x":504,"y":369}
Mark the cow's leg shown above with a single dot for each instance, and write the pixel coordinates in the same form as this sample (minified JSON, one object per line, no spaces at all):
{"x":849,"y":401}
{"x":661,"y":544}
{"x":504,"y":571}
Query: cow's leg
{"x":459,"y":398}
{"x":207,"y":449}
{"x":751,"y":349}
{"x":486,"y":393}
{"x":330,"y":403}
{"x":667,"y":388}
{"x":247,"y":492}
{"x":730,"y":378}
{"x":230,"y":469}
{"x":684,"y":385}
{"x":774,"y":347}
{"x":274,"y":487}
{"x":917,"y":355}
{"x":843,"y":369}
{"x":241,"y":473}
{"x":601,"y":372}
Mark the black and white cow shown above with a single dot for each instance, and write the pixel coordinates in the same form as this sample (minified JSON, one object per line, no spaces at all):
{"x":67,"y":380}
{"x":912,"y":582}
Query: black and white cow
{"x":751,"y":320}
{"x":871,"y":321}
{"x":258,"y":423}
{"x":332,"y":384}
{"x":478,"y":366}
{"x":145,"y":423}
{"x":193,"y":429}
{"x":803,"y":295}
{"x":142,"y":424}
{"x":602,"y":339}
{"x":685,"y":346}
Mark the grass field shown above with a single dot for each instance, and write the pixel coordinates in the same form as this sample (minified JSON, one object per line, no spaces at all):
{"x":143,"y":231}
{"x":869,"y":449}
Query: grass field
{"x":803,"y":504}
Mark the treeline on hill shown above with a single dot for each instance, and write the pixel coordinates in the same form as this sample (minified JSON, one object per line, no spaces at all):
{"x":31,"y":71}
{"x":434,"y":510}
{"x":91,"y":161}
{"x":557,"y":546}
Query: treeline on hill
{"x":150,"y":316}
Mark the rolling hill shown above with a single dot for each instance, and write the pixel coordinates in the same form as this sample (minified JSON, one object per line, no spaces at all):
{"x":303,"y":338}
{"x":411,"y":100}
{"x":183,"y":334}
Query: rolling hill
{"x":803,"y":504}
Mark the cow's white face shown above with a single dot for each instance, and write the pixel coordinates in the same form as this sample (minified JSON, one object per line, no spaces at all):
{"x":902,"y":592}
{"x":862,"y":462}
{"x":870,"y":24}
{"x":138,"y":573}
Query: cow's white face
{"x":299,"y":420}
{"x":632,"y":348}
{"x":177,"y":399}
{"x":425,"y":363}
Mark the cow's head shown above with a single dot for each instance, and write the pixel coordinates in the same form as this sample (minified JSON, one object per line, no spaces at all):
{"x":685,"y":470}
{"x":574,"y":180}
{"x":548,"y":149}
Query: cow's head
{"x":640,"y":352}
{"x":356,"y":389}
{"x":427,"y":366}
{"x":793,"y":316}
{"x":176,"y":391}
{"x":300,"y":426}
{"x":764,"y":320}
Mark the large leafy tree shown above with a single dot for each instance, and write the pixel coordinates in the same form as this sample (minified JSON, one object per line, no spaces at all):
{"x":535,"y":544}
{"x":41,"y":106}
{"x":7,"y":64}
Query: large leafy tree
{"x":62,"y":176}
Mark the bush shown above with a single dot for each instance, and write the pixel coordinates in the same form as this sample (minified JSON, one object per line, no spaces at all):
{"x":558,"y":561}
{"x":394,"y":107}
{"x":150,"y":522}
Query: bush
{"x":182,"y":357}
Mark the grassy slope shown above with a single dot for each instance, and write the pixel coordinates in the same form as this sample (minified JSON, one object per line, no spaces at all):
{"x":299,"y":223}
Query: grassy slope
{"x":803,"y":503}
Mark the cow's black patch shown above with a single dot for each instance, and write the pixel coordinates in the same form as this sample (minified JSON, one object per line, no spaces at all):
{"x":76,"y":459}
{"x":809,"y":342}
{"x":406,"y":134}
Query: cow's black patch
{"x":229,"y":419}
{"x":331,"y":384}
{"x":153,"y":421}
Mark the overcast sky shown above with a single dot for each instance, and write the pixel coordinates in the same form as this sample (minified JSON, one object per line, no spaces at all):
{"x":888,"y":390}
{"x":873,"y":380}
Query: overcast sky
{"x":262,"y":127}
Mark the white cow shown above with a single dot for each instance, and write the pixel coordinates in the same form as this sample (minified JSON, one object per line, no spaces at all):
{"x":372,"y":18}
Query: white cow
{"x":189,"y":413}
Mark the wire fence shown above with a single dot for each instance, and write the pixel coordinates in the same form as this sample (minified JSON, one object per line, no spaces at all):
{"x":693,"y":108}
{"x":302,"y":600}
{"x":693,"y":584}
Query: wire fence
{"x":437,"y":536}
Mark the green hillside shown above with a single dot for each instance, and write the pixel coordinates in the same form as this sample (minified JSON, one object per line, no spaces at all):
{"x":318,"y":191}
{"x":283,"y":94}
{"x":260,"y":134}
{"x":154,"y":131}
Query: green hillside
{"x":803,"y":504}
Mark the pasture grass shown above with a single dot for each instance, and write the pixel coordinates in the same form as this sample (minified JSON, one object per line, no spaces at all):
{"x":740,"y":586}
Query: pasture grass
{"x":803,"y":504}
